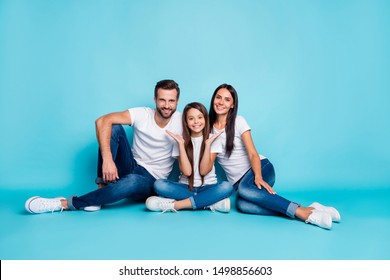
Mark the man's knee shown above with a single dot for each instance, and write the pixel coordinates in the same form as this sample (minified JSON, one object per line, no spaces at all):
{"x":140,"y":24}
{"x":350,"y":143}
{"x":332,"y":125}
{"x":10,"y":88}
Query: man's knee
{"x":117,"y":129}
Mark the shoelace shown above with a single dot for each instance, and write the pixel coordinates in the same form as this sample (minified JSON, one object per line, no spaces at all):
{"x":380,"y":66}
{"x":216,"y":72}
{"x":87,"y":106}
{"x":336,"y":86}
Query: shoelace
{"x":167,"y":206}
{"x":50,"y":206}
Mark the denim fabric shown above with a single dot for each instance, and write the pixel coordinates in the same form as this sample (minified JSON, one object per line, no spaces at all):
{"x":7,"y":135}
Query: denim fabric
{"x":252,"y":200}
{"x":200,"y":197}
{"x":134,"y":181}
{"x":121,"y":153}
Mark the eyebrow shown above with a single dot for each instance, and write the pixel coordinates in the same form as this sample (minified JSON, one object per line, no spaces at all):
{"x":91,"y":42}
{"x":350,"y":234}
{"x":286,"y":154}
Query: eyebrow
{"x":169,"y":99}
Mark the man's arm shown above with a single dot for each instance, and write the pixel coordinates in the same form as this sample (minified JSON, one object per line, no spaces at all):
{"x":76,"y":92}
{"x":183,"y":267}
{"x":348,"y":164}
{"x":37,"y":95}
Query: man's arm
{"x":103,"y":134}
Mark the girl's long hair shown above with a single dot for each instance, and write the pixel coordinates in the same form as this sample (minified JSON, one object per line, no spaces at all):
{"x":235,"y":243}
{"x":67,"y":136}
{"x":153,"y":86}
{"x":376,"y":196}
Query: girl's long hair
{"x":231,"y":117}
{"x":187,"y":137}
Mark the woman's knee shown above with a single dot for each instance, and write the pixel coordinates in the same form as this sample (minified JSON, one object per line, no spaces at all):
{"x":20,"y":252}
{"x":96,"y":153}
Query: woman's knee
{"x":268,"y":172}
{"x":226,"y":188}
{"x":251,"y":192}
{"x":242,"y":205}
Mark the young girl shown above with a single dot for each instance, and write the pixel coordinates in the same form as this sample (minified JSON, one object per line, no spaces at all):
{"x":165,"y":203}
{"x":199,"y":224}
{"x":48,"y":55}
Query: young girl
{"x":196,"y":151}
{"x":253,"y":178}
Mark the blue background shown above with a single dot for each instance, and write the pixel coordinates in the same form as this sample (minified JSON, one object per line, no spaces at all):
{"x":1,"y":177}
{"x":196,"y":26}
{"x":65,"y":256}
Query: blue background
{"x":313,"y":83}
{"x":312,"y":78}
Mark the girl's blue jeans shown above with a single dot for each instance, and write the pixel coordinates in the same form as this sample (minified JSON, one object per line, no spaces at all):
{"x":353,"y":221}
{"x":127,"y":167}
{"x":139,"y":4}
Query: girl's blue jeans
{"x":200,"y":197}
{"x":134,"y":181}
{"x":252,"y":200}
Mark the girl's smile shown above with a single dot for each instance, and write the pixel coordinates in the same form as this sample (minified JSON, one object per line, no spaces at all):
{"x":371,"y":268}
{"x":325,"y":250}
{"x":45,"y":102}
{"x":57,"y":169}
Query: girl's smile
{"x":195,"y":122}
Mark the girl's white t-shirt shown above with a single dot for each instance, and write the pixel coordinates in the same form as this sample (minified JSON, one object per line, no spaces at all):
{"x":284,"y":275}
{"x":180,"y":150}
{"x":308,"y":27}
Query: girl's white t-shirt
{"x":152,"y":146}
{"x":238,"y":163}
{"x":211,"y":177}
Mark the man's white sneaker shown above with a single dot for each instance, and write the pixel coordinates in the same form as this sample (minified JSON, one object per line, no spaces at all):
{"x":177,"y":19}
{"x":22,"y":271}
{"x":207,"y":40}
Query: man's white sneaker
{"x":320,"y":218}
{"x":37,"y":204}
{"x":156,"y":203}
{"x":331,"y":210}
{"x":221,"y":206}
{"x":92,"y":208}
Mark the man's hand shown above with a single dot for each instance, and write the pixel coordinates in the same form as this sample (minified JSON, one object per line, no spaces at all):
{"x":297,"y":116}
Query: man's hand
{"x":110,"y":172}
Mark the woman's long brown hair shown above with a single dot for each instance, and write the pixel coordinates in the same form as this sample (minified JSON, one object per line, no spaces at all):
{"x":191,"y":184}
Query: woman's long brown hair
{"x":231,"y":117}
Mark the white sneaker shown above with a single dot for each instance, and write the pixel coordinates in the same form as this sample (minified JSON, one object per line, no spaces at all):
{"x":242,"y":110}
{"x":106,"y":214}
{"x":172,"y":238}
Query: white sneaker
{"x":320,"y":218}
{"x":37,"y":204}
{"x":221,"y":206}
{"x":92,"y":208}
{"x":156,"y":203}
{"x":331,"y":210}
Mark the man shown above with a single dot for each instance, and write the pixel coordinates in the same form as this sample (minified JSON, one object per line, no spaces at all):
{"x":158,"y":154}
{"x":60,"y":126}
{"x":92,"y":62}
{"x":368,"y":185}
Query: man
{"x":125,"y":172}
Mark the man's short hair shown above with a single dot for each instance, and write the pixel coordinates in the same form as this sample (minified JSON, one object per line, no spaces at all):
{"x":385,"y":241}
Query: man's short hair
{"x":167,"y":84}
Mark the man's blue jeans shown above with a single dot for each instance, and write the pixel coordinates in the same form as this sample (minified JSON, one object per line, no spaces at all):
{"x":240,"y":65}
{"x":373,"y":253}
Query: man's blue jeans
{"x":134,"y":181}
{"x":252,"y":200}
{"x":200,"y":197}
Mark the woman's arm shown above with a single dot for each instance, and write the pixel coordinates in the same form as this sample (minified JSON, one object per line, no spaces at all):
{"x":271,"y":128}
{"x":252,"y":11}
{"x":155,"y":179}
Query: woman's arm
{"x":255,"y":161}
{"x":184,"y":162}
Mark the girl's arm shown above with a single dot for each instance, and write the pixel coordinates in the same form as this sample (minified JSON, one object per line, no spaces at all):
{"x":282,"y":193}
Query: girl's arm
{"x":184,"y":162}
{"x":255,"y":161}
{"x":207,"y":162}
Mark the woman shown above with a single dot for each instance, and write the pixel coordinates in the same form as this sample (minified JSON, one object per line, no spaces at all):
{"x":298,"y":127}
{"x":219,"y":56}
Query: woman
{"x":253,"y":178}
{"x":196,"y":151}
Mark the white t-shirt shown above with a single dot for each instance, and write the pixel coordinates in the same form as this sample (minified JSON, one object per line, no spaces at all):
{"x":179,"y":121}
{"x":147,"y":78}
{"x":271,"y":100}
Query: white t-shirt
{"x":152,"y":146}
{"x":238,"y":163}
{"x":211,"y":177}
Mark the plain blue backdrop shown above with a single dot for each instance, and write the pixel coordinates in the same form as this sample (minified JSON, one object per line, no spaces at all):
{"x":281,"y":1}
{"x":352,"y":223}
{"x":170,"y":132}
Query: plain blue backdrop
{"x":312,"y":78}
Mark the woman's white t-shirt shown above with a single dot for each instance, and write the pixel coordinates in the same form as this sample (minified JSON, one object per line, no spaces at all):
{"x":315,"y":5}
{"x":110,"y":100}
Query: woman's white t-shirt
{"x":211,"y":177}
{"x":238,"y":163}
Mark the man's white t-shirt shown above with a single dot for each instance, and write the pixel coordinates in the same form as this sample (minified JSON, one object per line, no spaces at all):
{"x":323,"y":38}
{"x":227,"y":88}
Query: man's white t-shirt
{"x":238,"y":163}
{"x":152,"y":146}
{"x":211,"y":177}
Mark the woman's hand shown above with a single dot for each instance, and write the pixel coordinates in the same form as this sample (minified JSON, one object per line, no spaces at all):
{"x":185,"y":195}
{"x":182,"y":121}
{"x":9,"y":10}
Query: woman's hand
{"x":259,"y":182}
{"x":179,"y":139}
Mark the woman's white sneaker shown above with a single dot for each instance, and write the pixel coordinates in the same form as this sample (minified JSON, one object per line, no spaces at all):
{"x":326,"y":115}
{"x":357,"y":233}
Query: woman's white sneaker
{"x":331,"y":210}
{"x":38,"y":205}
{"x":320,"y":218}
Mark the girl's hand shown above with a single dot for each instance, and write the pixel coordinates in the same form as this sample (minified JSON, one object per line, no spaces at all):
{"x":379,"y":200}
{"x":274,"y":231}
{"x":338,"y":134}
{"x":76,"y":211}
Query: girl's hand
{"x":211,"y":139}
{"x":179,"y":139}
{"x":259,"y":182}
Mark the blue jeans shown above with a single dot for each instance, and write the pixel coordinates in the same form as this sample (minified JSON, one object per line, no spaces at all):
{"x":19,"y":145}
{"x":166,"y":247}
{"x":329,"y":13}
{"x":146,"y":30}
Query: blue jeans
{"x":200,"y":197}
{"x":252,"y":200}
{"x":134,"y":181}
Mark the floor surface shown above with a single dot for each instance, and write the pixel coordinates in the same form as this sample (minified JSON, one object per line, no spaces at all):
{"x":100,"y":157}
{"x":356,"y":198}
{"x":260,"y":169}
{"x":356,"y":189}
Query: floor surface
{"x":127,"y":231}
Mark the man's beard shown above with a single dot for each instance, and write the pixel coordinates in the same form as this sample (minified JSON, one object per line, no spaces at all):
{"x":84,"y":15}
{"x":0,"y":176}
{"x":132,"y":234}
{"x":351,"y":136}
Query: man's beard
{"x":160,"y":112}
